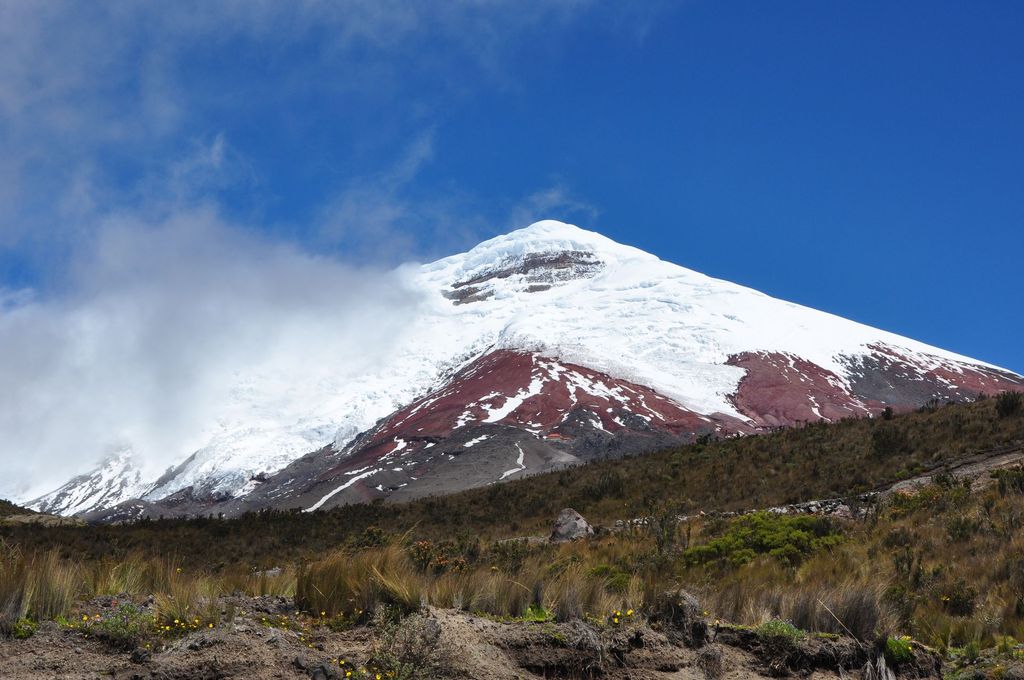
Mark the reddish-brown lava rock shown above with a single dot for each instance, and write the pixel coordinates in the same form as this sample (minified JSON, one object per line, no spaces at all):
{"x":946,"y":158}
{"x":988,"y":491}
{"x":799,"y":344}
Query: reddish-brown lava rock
{"x":907,"y":380}
{"x":781,"y":389}
{"x":535,"y":393}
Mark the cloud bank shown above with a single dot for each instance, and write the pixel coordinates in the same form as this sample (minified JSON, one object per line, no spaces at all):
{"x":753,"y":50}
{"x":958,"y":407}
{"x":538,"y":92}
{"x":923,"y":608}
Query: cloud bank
{"x":159,"y":323}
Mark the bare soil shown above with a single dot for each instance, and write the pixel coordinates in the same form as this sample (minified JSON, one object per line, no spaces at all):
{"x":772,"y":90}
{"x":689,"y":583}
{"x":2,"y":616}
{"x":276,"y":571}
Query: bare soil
{"x":461,"y":646}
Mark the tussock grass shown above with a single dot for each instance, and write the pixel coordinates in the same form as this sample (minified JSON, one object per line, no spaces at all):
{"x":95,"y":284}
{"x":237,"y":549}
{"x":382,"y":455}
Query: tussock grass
{"x":38,"y":587}
{"x":944,"y":563}
{"x":354,"y":584}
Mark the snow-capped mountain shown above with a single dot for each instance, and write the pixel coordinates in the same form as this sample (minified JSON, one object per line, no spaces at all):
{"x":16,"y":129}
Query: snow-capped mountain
{"x":115,"y":480}
{"x":544,"y":347}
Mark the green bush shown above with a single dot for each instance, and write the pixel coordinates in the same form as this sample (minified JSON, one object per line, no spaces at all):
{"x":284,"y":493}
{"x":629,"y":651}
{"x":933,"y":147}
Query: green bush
{"x":960,"y":599}
{"x":787,"y":538}
{"x":779,"y":631}
{"x":1009,"y":404}
{"x":898,"y":650}
{"x":616,"y":579}
{"x":888,"y":440}
{"x":123,"y":627}
{"x":1010,"y":480}
{"x":24,"y":629}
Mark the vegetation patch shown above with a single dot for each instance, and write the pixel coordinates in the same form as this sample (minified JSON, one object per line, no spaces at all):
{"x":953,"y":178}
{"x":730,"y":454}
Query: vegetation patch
{"x":787,"y":538}
{"x":779,"y":631}
{"x":898,"y":650}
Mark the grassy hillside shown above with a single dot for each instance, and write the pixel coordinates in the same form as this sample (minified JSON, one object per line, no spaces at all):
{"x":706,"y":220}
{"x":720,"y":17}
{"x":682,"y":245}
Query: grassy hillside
{"x":943,"y":563}
{"x":8,"y":508}
{"x":816,"y":461}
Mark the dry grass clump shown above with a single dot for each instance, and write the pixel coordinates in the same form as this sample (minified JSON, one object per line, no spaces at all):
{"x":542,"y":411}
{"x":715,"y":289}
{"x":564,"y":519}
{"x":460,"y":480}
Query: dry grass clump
{"x":37,"y":587}
{"x":353,"y":584}
{"x":276,"y":582}
{"x":829,"y":594}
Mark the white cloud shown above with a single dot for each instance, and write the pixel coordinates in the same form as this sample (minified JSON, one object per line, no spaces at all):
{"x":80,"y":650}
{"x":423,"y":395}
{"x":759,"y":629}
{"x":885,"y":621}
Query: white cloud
{"x":158,"y":322}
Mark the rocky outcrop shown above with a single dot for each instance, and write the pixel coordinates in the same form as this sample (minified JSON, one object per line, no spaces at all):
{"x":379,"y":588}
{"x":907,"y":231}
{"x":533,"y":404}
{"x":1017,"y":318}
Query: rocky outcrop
{"x":570,"y":526}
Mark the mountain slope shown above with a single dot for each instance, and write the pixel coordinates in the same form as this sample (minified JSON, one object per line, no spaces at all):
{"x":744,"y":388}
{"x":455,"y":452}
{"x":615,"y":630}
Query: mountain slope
{"x":544,"y":347}
{"x":114,"y":481}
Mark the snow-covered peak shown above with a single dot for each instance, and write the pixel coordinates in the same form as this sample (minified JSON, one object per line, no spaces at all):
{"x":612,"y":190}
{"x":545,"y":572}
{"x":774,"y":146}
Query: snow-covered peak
{"x":116,"y":479}
{"x":544,"y":237}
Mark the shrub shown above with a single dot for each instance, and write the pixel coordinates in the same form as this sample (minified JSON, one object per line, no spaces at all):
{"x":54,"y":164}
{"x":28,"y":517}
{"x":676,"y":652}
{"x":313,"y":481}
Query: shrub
{"x":24,"y":629}
{"x":898,"y":650}
{"x":1010,"y":480}
{"x":787,"y":538}
{"x":124,"y":627}
{"x":616,"y":579}
{"x":608,"y":484}
{"x":961,"y":528}
{"x":408,"y":649}
{"x":960,"y":599}
{"x":663,"y":524}
{"x":888,"y":440}
{"x":1009,"y":404}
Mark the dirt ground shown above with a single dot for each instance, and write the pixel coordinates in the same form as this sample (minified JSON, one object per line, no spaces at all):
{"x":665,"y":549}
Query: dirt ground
{"x":451,"y":644}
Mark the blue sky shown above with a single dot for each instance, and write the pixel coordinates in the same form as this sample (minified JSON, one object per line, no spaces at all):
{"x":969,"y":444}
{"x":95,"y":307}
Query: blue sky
{"x":864,"y":158}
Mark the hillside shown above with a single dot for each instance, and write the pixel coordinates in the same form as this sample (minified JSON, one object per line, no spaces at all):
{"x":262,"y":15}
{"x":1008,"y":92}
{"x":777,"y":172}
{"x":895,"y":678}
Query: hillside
{"x":798,"y":464}
{"x":8,"y":508}
{"x":922,"y":579}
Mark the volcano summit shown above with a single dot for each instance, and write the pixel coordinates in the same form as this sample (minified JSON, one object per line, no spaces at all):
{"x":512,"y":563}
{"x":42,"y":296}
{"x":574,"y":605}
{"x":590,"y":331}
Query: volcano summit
{"x":542,"y":348}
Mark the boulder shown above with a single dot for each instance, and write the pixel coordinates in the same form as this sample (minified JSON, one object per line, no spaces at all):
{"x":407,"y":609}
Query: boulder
{"x":570,"y":526}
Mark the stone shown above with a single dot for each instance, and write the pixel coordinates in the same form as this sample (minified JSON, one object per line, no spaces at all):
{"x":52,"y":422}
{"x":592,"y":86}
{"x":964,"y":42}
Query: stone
{"x":141,"y":655}
{"x":570,"y":526}
{"x":324,"y":672}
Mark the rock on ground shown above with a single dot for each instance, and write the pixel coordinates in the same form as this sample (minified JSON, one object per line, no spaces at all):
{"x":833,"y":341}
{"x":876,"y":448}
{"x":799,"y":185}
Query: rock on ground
{"x":570,"y":526}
